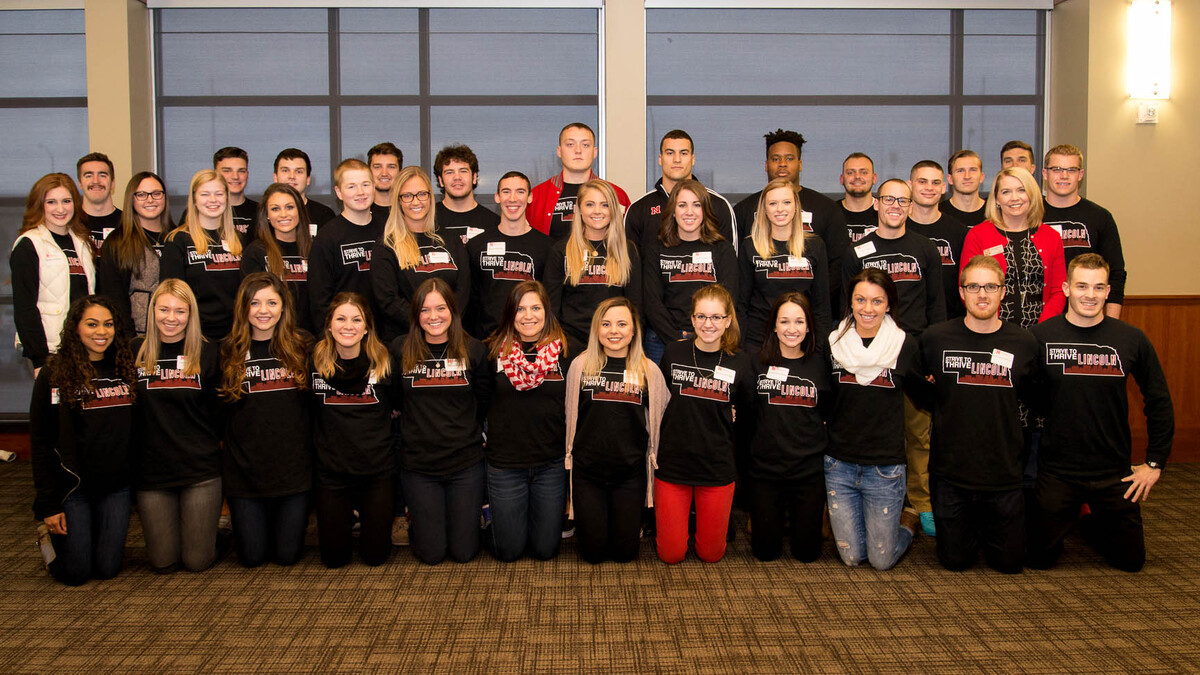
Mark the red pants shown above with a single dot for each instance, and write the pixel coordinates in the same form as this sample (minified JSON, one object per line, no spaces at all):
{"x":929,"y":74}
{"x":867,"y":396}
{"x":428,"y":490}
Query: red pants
{"x":672,"y":504}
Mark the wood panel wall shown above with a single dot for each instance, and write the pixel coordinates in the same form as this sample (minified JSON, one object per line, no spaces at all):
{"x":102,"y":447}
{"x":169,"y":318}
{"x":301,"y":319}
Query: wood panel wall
{"x":1172,"y":322}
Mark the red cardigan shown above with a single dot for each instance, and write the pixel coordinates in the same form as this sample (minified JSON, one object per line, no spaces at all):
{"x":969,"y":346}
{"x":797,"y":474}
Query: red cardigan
{"x":986,"y":239}
{"x":546,"y":194}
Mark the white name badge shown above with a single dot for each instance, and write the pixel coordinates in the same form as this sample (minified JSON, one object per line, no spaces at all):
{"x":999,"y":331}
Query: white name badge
{"x":473,"y":232}
{"x":439,"y":257}
{"x":1057,"y":228}
{"x":54,"y":396}
{"x":108,"y":230}
{"x":702,"y":257}
{"x":312,"y":229}
{"x":499,"y":366}
{"x":304,"y":266}
{"x":995,"y":250}
{"x":1002,"y":358}
{"x":454,"y":365}
{"x":806,"y":217}
{"x":793,"y":261}
{"x":224,"y":244}
{"x":494,"y":247}
{"x":724,"y":374}
{"x":777,"y":373}
{"x":864,"y":250}
{"x":180,"y":362}
{"x":628,"y":377}
{"x":372,"y":379}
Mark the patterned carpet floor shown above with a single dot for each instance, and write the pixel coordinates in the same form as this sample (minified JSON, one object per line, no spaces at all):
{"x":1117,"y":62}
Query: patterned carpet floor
{"x":736,"y":616}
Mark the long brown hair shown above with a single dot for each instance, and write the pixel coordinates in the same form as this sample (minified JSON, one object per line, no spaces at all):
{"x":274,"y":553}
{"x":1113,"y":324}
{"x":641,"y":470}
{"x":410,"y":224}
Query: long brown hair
{"x":617,"y":262}
{"x":266,"y":234}
{"x":35,"y":206}
{"x":193,"y":338}
{"x":71,"y":371}
{"x":414,"y":350}
{"x":287,"y":344}
{"x":500,"y":341}
{"x":732,"y":334}
{"x":325,"y":353}
{"x":130,"y":243}
{"x":770,"y":353}
{"x":668,"y":232}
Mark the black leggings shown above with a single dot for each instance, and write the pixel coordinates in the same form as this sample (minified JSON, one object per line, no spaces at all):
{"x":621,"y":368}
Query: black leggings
{"x":801,"y":502}
{"x":608,"y":516}
{"x":373,"y":497}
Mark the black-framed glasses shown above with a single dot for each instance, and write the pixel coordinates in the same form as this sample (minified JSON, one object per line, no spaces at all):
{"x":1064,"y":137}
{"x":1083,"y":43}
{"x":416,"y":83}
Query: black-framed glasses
{"x":888,"y":200}
{"x":422,"y":196}
{"x":975,"y":288}
{"x":715,"y":318}
{"x":142,"y":196}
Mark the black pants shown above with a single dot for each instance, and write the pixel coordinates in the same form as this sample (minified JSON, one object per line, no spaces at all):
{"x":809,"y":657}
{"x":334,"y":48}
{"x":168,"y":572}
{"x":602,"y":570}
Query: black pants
{"x":1114,"y":528}
{"x":372,"y":496}
{"x":445,"y":514}
{"x":608,"y":516}
{"x":968,"y":520}
{"x":800,"y":502}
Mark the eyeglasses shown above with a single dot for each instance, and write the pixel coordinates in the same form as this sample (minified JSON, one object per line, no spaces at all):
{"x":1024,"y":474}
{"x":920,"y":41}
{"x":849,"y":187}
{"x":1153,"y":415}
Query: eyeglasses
{"x":888,"y":200}
{"x":1072,"y":170}
{"x":422,"y":196}
{"x":143,"y":196}
{"x":975,"y":288}
{"x":705,"y":318}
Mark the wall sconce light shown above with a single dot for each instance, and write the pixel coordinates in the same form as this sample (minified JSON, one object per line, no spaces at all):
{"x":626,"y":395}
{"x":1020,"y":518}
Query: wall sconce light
{"x":1148,"y":68}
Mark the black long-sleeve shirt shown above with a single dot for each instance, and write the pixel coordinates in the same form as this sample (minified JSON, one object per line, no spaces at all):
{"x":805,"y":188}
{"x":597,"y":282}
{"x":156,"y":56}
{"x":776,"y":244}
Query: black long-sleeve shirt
{"x":214,"y":277}
{"x":574,"y":305}
{"x":913,"y":263}
{"x":696,"y":441}
{"x":295,"y":273}
{"x":976,"y":439}
{"x":947,"y":236}
{"x":610,"y":431}
{"x":867,"y":422}
{"x":352,"y":422}
{"x":765,"y":279}
{"x":1087,"y":424}
{"x":527,"y":428}
{"x":498,"y":262}
{"x":340,"y":260}
{"x":1087,"y":227}
{"x":790,"y":438}
{"x":178,"y":440}
{"x":465,"y":225}
{"x":442,"y":406}
{"x":394,"y":287}
{"x":670,"y":276}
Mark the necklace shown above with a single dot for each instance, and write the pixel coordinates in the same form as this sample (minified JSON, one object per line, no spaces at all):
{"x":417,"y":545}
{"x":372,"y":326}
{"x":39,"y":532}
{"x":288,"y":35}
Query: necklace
{"x":720,"y":355}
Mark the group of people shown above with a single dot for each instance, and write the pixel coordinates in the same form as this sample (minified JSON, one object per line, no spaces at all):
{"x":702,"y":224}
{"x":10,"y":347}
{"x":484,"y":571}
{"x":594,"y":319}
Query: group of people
{"x":577,"y":358}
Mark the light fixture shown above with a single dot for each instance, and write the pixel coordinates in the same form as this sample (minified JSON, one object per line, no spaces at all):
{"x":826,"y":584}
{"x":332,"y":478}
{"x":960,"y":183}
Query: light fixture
{"x":1148,"y":68}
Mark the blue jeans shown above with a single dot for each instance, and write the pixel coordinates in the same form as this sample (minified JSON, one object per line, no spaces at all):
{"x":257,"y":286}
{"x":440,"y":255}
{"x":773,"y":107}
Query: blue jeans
{"x":445,"y":514}
{"x":653,"y":346}
{"x":269,"y":525}
{"x":94,"y":545}
{"x":527,"y":510}
{"x":865,"y":502}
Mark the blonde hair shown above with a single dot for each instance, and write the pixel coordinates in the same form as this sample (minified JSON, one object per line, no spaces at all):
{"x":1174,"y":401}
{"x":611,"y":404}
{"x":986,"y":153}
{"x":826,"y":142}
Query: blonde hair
{"x":617,"y":263}
{"x":760,"y":233}
{"x":594,"y":357}
{"x":396,"y":234}
{"x":193,"y":338}
{"x":1036,"y":208}
{"x":228,"y":233}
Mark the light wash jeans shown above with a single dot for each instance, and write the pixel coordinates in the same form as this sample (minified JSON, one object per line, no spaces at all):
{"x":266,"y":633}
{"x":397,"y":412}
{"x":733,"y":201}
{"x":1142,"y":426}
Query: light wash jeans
{"x":865,"y":502}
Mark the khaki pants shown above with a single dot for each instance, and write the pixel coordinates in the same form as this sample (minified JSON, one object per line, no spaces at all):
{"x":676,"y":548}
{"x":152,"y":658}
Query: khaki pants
{"x":916,"y":442}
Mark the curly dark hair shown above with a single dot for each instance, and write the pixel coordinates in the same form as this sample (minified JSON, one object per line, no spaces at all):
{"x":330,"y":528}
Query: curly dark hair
{"x":784,"y":136}
{"x":71,"y":371}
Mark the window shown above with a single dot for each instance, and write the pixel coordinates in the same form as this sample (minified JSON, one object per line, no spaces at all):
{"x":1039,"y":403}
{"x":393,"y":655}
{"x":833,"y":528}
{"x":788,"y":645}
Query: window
{"x":899,"y":85}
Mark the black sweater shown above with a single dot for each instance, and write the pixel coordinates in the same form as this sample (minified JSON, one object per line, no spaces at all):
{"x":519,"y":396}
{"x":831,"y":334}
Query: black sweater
{"x":352,"y":422}
{"x":214,"y":277}
{"x":765,"y":279}
{"x":1087,"y":422}
{"x":465,"y":226}
{"x":340,"y":260}
{"x":527,"y":428}
{"x":393,"y":287}
{"x":295,"y":273}
{"x":916,"y":268}
{"x":178,"y":440}
{"x":947,"y":236}
{"x":498,"y":262}
{"x":1087,"y":227}
{"x":670,"y":276}
{"x":867,"y":422}
{"x":575,"y":305}
{"x":610,"y":429}
{"x":789,"y":432}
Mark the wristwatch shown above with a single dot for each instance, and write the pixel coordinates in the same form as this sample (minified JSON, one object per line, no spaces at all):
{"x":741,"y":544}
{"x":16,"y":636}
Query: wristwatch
{"x":1155,"y":465}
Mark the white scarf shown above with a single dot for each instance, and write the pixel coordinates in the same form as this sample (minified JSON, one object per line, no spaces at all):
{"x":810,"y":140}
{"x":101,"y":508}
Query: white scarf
{"x":866,"y":362}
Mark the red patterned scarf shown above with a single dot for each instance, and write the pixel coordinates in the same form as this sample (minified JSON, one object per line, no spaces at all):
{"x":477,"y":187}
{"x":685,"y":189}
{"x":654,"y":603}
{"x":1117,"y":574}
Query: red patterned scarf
{"x":524,"y":374}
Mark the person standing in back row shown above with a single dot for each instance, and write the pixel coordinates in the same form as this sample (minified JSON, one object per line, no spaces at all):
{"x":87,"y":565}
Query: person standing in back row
{"x":456,"y":170}
{"x":553,"y":205}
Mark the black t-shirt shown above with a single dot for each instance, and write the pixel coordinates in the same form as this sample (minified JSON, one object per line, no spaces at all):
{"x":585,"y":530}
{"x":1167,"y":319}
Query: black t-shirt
{"x":527,"y":428}
{"x":564,"y":212}
{"x":499,"y":262}
{"x":610,"y":429}
{"x":762,"y":280}
{"x":442,"y":405}
{"x":340,"y":260}
{"x":99,"y":227}
{"x":178,"y":441}
{"x":969,"y":219}
{"x":380,"y":213}
{"x":268,"y":440}
{"x":670,"y":276}
{"x":1087,"y":422}
{"x":574,"y":305}
{"x":318,"y":213}
{"x":976,"y":439}
{"x":295,"y":272}
{"x":352,"y":423}
{"x":213,"y":276}
{"x":467,"y":225}
{"x":79,"y":283}
{"x":394,"y":287}
{"x":696,"y":440}
{"x":1087,"y":227}
{"x":859,"y":223}
{"x":789,"y":431}
{"x":914,"y":265}
{"x":867,"y":423}
{"x":947,"y":236}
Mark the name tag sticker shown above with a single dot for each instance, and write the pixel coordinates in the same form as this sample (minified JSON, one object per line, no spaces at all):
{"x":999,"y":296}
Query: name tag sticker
{"x":54,"y":396}
{"x":702,"y":257}
{"x":454,"y":365}
{"x":806,"y":217}
{"x":1002,"y":358}
{"x":795,"y":262}
{"x":439,"y":257}
{"x":777,"y":373}
{"x":864,"y":250}
{"x":494,"y":247}
{"x":628,"y":377}
{"x":180,"y":362}
{"x":499,"y":366}
{"x":995,"y":250}
{"x":312,"y":229}
{"x":372,"y":379}
{"x":724,"y":374}
{"x":473,"y":232}
{"x":304,"y":266}
{"x":108,"y":230}
{"x":1057,"y":228}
